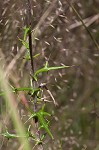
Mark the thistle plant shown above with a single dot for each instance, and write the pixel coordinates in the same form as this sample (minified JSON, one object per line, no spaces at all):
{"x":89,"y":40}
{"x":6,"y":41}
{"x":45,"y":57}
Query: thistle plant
{"x":39,"y":116}
{"x":35,"y":91}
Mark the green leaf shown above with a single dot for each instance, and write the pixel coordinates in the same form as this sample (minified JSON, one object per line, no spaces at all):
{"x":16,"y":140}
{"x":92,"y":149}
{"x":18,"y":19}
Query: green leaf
{"x":26,"y":44}
{"x":43,"y":136}
{"x":32,"y":116}
{"x":29,"y":134}
{"x":26,"y":31}
{"x":9,"y":136}
{"x":26,"y":89}
{"x":27,"y":57}
{"x":46,"y":69}
{"x":36,"y":55}
{"x":43,"y":123}
{"x":15,"y":90}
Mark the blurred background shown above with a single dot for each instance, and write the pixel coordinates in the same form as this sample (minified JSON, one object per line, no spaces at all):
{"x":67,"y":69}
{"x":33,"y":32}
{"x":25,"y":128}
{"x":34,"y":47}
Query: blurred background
{"x":61,"y":39}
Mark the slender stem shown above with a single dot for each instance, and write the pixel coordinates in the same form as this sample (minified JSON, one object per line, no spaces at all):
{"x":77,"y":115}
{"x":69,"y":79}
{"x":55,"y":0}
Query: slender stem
{"x":78,"y":15}
{"x":31,"y":49}
{"x":32,"y":67}
{"x":30,"y":36}
{"x":30,"y":46}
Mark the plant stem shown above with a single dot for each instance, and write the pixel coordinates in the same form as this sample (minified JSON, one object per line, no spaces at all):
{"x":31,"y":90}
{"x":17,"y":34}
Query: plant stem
{"x":32,"y":67}
{"x":30,"y":36}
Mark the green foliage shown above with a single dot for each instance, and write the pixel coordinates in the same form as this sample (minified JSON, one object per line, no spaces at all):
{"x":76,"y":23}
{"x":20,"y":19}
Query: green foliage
{"x":35,"y":92}
{"x":25,"y":42}
{"x":9,"y":135}
{"x":41,"y":117}
{"x":27,"y":57}
{"x":26,"y":31}
{"x":46,"y":69}
{"x":26,"y":89}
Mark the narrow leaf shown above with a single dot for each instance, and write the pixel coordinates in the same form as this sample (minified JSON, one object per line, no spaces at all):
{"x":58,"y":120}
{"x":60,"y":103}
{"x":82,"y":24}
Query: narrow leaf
{"x":27,"y":57}
{"x":26,"y":44}
{"x":44,"y":124}
{"x":46,"y":69}
{"x":14,"y":90}
{"x":26,"y":30}
{"x":10,"y":136}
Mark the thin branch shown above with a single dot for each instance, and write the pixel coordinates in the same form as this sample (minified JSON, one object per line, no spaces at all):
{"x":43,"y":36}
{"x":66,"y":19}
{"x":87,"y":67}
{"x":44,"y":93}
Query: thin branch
{"x":32,"y":66}
{"x":88,"y":21}
{"x":30,"y":36}
{"x":78,"y":15}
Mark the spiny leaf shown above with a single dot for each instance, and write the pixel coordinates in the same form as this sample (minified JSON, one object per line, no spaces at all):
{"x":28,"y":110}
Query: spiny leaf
{"x":9,"y":135}
{"x":43,"y":124}
{"x":43,"y":136}
{"x":26,"y":44}
{"x":27,"y":57}
{"x":32,"y":116}
{"x":26,"y":31}
{"x":26,"y":89}
{"x":14,"y":90}
{"x":43,"y":112}
{"x":46,"y":69}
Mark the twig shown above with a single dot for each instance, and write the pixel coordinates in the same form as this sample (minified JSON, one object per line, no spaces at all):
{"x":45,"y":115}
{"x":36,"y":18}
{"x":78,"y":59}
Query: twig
{"x":88,"y":21}
{"x":30,"y":36}
{"x":78,"y":15}
{"x":32,"y":66}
